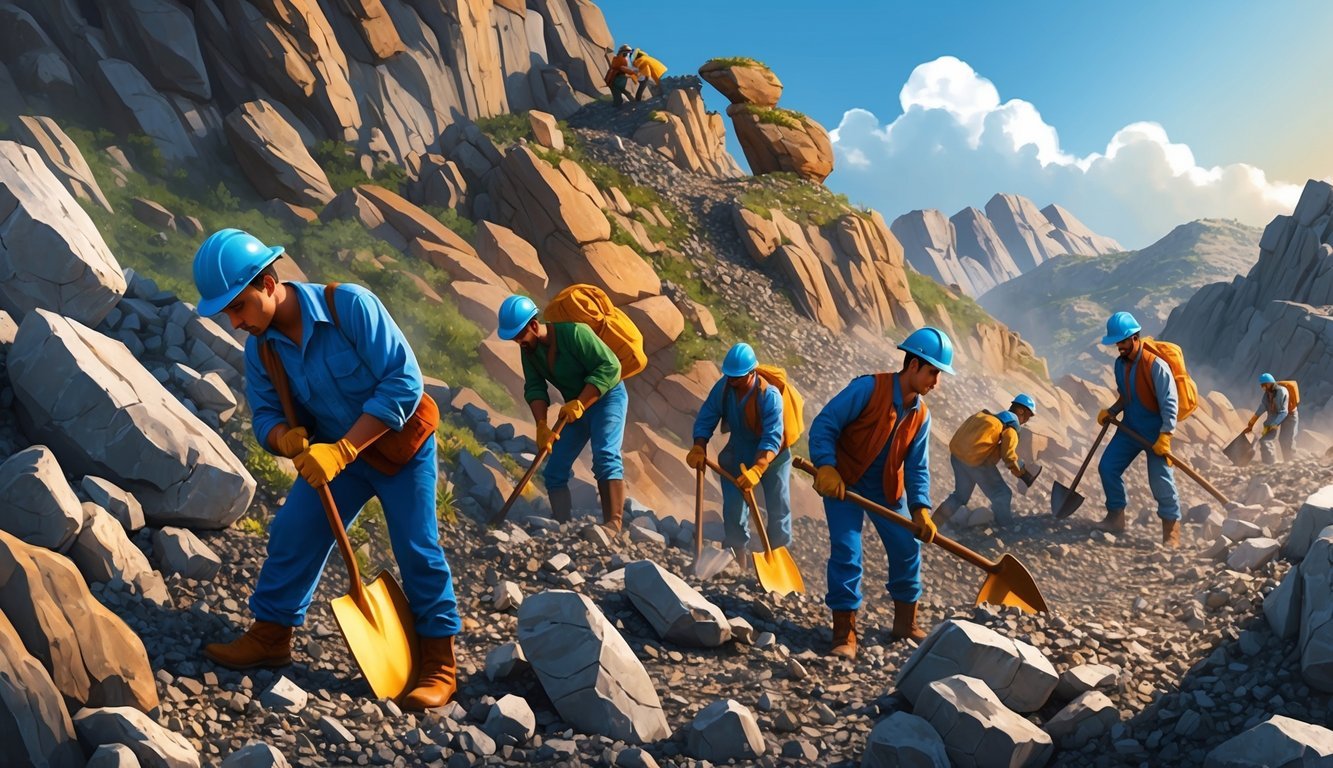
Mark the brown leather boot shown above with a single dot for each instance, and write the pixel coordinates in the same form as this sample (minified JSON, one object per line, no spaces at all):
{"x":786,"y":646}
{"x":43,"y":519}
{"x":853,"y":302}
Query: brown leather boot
{"x":612,"y":495}
{"x":562,"y":502}
{"x":1171,"y":533}
{"x":438,"y":680}
{"x":1114,"y":522}
{"x":844,"y":634}
{"x":264,"y":644}
{"x":904,"y":622}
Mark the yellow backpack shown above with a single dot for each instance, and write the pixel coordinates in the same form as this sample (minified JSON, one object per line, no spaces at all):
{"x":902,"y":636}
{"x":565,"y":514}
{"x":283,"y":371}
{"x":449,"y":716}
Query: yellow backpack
{"x":1187,"y":392}
{"x":583,"y":303}
{"x":1294,"y":391}
{"x":793,"y":405}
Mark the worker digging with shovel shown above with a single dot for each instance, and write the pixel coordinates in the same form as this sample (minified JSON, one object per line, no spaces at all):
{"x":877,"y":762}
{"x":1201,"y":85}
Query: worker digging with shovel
{"x":1148,"y":400}
{"x":357,"y":380}
{"x":587,"y":374}
{"x":755,"y":453}
{"x":872,"y":438}
{"x":982,"y":441}
{"x":1279,"y":405}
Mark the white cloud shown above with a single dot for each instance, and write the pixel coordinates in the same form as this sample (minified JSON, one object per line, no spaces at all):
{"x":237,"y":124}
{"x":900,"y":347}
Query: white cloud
{"x":956,"y":144}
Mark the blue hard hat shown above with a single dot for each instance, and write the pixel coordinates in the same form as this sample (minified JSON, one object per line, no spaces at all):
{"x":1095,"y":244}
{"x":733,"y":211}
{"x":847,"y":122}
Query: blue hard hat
{"x":1267,"y":378}
{"x":932,"y":345}
{"x":515,"y":314}
{"x":1119,"y":327}
{"x":1027,"y":402}
{"x":225,"y":263}
{"x":1008,"y":419}
{"x":740,"y":361}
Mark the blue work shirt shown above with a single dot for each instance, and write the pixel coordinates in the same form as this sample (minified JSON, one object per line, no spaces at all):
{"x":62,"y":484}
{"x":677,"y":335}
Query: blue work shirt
{"x":337,"y":373}
{"x":1164,"y":384}
{"x":843,"y":410}
{"x":1275,"y":402}
{"x":723,"y":403}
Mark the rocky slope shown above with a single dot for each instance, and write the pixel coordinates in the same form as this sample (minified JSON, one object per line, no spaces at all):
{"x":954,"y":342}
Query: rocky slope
{"x":973,"y":252}
{"x":1061,"y":306}
{"x":1276,"y":317}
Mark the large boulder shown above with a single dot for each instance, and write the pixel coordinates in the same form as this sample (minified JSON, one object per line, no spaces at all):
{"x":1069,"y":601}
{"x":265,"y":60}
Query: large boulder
{"x":273,"y":157}
{"x":743,"y":81}
{"x":659,"y":319}
{"x":63,"y":157}
{"x":103,"y":553}
{"x":776,"y":139}
{"x":40,"y":508}
{"x":513,"y":258}
{"x":1088,"y":717}
{"x":51,"y":254}
{"x":676,"y":610}
{"x":903,"y":739}
{"x":159,"y":36}
{"x":690,"y":136}
{"x":1316,"y":622}
{"x":588,"y":670}
{"x":723,"y":731}
{"x":155,"y":746}
{"x":978,"y":730}
{"x":103,"y":414}
{"x":1315,"y":515}
{"x":34,"y":726}
{"x":1017,"y":672}
{"x":134,"y":106}
{"x":1276,"y":741}
{"x":91,"y":655}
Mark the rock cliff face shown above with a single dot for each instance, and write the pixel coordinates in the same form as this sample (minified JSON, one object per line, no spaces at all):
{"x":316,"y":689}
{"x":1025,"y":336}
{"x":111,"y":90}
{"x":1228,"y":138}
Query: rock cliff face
{"x":370,"y":72}
{"x":1277,"y":317}
{"x":977,"y":251}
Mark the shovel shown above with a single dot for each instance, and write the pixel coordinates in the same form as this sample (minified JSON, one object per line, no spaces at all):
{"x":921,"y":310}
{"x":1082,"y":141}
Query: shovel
{"x":499,"y":517}
{"x":1008,"y":581}
{"x":1240,"y":450}
{"x":375,"y":618}
{"x":775,"y":568}
{"x":1029,"y":478}
{"x":708,"y":562}
{"x":1182,"y":466}
{"x":1066,"y":501}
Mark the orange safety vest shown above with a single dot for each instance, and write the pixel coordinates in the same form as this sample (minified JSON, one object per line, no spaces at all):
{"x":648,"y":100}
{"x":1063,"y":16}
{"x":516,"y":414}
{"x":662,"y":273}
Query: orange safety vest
{"x":1142,"y":378}
{"x":863,"y":438}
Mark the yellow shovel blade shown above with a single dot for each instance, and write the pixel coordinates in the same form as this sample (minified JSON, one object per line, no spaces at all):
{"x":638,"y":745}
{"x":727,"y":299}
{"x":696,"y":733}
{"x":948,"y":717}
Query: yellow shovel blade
{"x":778,"y":572}
{"x":381,"y":636}
{"x":1011,"y":584}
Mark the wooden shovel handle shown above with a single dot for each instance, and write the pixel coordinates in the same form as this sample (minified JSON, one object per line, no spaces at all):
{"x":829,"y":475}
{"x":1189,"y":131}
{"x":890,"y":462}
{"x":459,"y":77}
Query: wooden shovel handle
{"x":698,"y":514}
{"x":1088,"y":459}
{"x":940,"y":539}
{"x":499,"y":517}
{"x":749,"y":499}
{"x":1182,"y":466}
{"x":284,"y":390}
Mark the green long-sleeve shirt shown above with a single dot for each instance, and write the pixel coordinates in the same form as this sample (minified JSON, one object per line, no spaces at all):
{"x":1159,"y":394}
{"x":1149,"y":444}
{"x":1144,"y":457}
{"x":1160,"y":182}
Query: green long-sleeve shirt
{"x":580,"y":359}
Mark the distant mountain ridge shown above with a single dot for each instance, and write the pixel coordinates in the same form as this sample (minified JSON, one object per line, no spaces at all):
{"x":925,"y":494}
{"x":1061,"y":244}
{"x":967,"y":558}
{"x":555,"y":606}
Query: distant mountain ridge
{"x":977,"y":251}
{"x":1060,"y":306}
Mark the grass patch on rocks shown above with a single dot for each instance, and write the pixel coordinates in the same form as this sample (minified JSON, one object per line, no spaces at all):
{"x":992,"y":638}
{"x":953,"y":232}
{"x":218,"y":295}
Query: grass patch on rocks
{"x":802,"y":201}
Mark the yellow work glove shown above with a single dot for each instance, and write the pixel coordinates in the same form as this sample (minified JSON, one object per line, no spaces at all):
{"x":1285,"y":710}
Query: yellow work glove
{"x":1163,"y":447}
{"x":293,"y":442}
{"x":829,"y":483}
{"x":697,"y":457}
{"x":749,"y":477}
{"x":1267,"y":429}
{"x":322,"y":462}
{"x":1103,"y":416}
{"x":572,"y":411}
{"x":546,"y":437}
{"x":921,"y":516}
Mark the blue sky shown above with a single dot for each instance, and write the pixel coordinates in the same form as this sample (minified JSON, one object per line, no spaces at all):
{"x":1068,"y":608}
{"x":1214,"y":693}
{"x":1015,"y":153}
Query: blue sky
{"x":1235,"y":82}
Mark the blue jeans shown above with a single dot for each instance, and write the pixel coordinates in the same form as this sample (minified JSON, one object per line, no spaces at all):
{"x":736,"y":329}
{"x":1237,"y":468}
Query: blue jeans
{"x":845,"y":521}
{"x":300,"y":542}
{"x":604,"y":425}
{"x":1120,"y":453}
{"x":776,"y":485}
{"x":1285,"y":435}
{"x":965,"y":481}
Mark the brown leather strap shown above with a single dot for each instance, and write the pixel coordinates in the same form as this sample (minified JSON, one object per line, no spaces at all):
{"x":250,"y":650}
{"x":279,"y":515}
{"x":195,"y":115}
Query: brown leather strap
{"x":328,"y":299}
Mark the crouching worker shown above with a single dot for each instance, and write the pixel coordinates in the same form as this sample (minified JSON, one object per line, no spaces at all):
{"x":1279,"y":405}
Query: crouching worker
{"x":976,"y":448}
{"x":369,"y":433}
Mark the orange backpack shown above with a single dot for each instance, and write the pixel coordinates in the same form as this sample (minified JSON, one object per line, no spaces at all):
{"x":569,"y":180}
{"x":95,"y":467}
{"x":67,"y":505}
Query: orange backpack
{"x":1293,"y":392}
{"x":793,"y":404}
{"x":1187,"y":392}
{"x":588,"y":304}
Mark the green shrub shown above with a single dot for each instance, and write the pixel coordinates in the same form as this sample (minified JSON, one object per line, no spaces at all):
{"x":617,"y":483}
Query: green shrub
{"x":930,"y":295}
{"x":263,"y":467}
{"x":802,"y":201}
{"x":736,"y":61}
{"x":506,"y":129}
{"x":451,"y":218}
{"x":785,"y":118}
